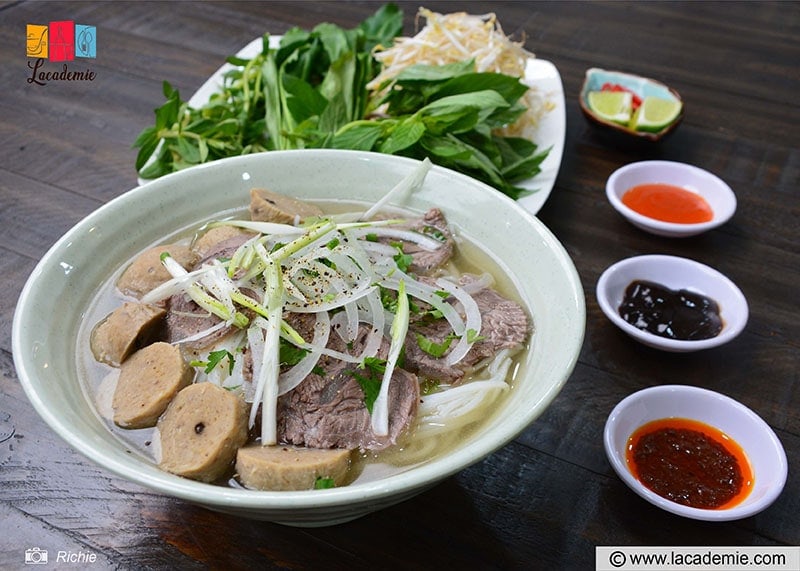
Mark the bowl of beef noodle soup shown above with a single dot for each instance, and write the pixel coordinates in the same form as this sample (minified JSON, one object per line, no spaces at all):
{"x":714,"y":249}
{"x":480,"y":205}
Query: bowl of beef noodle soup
{"x":302,"y":337}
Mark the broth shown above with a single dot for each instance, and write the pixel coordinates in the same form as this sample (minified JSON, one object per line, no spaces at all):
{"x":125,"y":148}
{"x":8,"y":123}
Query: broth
{"x":99,"y":380}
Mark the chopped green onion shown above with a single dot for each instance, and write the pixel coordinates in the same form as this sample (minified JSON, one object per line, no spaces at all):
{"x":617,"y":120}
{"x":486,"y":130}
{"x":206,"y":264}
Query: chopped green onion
{"x":324,"y":483}
{"x":399,"y":329}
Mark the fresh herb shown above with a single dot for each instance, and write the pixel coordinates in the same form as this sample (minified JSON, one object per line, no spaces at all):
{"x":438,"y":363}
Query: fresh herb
{"x":473,"y":337}
{"x":432,"y":314}
{"x":429,"y":386}
{"x":433,"y":232}
{"x":436,"y":350}
{"x":371,"y":381}
{"x":388,"y":299}
{"x":450,"y":113}
{"x":402,"y":259}
{"x":324,"y":483}
{"x":311,"y":92}
{"x":214,"y":359}
{"x":292,"y":97}
{"x":432,"y":348}
{"x":289,"y":354}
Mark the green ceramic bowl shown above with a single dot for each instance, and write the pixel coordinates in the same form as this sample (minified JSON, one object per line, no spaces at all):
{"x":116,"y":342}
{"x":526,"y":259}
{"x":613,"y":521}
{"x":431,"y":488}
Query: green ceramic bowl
{"x":46,"y":326}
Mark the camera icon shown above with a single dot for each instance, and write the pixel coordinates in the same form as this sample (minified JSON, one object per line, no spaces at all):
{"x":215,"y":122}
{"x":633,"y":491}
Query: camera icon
{"x":35,"y":556}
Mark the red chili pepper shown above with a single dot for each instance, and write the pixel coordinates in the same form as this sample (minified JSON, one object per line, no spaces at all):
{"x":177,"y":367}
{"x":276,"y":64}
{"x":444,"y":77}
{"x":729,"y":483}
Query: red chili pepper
{"x":608,"y":86}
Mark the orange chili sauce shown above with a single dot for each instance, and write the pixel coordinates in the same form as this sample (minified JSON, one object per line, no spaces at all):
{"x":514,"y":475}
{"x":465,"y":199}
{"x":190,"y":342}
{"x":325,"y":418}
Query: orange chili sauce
{"x":690,"y":463}
{"x":668,"y":203}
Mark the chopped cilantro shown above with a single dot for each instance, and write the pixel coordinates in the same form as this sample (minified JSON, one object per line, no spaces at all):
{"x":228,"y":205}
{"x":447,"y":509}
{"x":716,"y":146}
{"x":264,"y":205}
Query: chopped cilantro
{"x":290,"y":354}
{"x":214,"y":359}
{"x":370,"y":382}
{"x":434,"y":232}
{"x":324,"y":483}
{"x":431,"y":347}
{"x":428,"y":387}
{"x":473,"y":337}
{"x":402,"y":259}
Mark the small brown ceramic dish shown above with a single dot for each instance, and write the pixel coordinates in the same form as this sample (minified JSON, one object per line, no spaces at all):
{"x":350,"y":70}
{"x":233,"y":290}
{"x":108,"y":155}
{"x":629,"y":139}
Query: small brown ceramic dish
{"x":642,"y":87}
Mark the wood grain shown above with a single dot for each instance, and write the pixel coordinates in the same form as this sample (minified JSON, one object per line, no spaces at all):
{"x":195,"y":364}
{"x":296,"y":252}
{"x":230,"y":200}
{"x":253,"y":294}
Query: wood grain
{"x":547,"y":499}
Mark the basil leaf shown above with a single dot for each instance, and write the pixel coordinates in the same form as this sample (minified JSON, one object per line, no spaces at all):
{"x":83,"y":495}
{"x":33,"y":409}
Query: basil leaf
{"x":404,"y":134}
{"x":358,"y":135}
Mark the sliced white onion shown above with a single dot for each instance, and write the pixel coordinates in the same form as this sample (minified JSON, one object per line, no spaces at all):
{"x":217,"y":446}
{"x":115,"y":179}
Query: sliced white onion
{"x":379,"y":250}
{"x":294,"y":376}
{"x":473,"y":321}
{"x":427,"y":294}
{"x":421,"y":240}
{"x":201,"y":334}
{"x":269,"y":228}
{"x":173,"y":286}
{"x":483,"y":282}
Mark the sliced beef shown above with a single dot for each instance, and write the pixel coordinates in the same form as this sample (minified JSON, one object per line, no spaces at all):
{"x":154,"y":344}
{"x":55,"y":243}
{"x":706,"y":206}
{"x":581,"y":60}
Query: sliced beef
{"x":424,"y":364}
{"x":303,"y":323}
{"x":148,"y":380}
{"x":504,"y":325}
{"x":327,"y":410}
{"x":290,"y":467}
{"x":433,"y":225}
{"x":126,"y":329}
{"x":324,"y":412}
{"x":201,"y":431}
{"x":268,"y":206}
{"x":146,"y":272}
{"x":185,"y":319}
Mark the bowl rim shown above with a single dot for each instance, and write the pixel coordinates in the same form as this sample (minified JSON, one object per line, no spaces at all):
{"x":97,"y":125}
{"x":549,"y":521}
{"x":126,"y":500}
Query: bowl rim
{"x":721,"y":216}
{"x":738,"y":511}
{"x":398,"y":485}
{"x":730,"y":330}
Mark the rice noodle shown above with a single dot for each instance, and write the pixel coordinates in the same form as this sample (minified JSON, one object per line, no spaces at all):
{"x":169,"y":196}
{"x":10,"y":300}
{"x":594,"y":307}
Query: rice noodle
{"x":455,"y":407}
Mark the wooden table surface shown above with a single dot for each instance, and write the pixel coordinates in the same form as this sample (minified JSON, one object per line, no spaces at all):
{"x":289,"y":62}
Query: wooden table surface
{"x":549,"y":497}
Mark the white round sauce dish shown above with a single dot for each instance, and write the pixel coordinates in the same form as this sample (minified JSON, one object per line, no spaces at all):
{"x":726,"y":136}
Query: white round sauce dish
{"x":716,"y":193}
{"x":761,"y":446}
{"x":675,"y":273}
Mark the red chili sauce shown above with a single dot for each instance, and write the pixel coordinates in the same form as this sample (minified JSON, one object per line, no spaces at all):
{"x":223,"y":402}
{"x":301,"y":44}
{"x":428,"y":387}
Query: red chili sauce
{"x":690,"y":463}
{"x":668,"y":203}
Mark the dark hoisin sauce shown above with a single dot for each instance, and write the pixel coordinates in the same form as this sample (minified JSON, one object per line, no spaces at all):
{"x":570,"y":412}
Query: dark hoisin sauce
{"x":674,"y":314}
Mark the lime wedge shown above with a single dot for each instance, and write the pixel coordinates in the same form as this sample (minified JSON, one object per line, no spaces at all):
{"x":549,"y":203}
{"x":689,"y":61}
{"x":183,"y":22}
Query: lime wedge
{"x":611,"y":105}
{"x":655,"y":113}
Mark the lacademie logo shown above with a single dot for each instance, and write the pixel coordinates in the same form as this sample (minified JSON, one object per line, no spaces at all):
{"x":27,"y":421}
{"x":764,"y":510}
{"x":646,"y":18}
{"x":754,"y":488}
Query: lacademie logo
{"x":60,"y":41}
